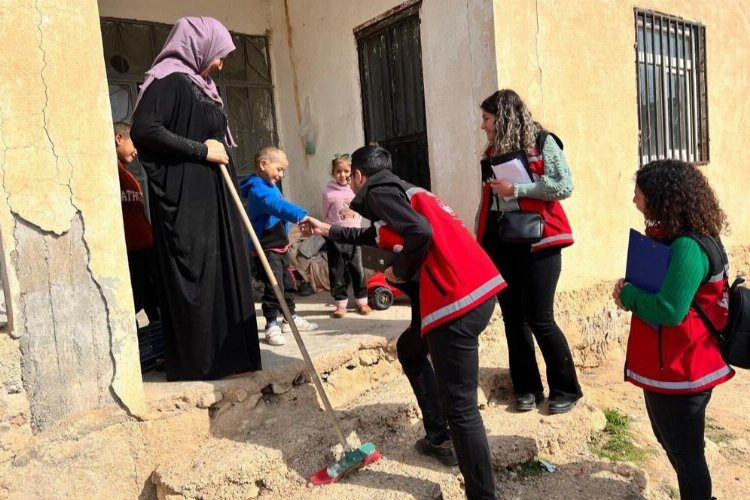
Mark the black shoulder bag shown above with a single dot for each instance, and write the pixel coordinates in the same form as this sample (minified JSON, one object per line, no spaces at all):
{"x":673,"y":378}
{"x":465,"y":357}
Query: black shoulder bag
{"x":734,"y":338}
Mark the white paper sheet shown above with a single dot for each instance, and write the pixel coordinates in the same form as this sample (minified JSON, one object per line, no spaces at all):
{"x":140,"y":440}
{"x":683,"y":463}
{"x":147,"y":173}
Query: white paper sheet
{"x":512,"y":171}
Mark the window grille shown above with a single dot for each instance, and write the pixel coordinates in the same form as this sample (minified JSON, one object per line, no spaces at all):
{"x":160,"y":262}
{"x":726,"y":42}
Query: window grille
{"x":672,"y":95}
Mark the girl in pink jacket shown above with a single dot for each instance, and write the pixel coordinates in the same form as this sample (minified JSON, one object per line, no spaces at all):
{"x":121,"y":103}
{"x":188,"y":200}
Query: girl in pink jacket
{"x":344,"y":260}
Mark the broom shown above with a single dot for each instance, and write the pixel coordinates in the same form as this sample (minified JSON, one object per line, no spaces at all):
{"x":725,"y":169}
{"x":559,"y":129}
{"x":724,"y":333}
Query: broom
{"x":354,"y":458}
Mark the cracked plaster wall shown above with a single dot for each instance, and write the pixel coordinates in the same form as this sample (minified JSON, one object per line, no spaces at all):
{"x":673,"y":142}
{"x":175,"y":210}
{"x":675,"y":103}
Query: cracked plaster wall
{"x":74,"y":342}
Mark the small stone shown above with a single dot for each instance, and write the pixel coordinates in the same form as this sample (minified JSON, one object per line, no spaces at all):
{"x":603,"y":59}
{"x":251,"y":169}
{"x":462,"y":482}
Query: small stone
{"x":241,"y":395}
{"x":368,"y":358}
{"x":280,"y":388}
{"x":252,"y":400}
{"x":18,"y":421}
{"x":13,"y":387}
{"x":481,"y":398}
{"x":210,"y":399}
{"x":21,"y":460}
{"x":251,"y":491}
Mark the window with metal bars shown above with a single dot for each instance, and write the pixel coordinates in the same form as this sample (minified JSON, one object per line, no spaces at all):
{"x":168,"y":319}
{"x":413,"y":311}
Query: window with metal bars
{"x":672,"y":93}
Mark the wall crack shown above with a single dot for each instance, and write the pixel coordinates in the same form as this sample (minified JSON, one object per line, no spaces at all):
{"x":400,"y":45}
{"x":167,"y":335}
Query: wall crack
{"x":45,"y":118}
{"x":110,"y":333}
{"x":538,"y":60}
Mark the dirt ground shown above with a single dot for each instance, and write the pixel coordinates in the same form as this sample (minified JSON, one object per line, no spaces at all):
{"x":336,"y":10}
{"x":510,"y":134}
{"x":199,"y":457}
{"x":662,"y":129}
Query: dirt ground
{"x":728,"y":428}
{"x":269,"y":444}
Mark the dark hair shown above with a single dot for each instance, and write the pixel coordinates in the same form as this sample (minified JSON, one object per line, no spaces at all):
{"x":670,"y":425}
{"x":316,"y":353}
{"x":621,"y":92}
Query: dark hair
{"x":371,"y":160}
{"x":515,"y":128}
{"x":122,"y":128}
{"x":678,"y":199}
{"x":338,"y":158}
{"x":490,"y":103}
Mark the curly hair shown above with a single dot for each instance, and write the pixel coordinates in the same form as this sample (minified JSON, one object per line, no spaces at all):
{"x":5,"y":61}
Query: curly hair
{"x":514,"y":126}
{"x":678,"y":199}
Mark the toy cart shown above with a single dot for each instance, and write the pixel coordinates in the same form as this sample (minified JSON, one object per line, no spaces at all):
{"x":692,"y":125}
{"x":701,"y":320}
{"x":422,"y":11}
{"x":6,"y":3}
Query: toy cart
{"x":380,"y":293}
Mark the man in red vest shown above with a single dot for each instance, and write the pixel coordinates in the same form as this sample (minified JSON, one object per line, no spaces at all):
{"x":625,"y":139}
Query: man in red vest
{"x":138,"y":238}
{"x":452,"y":283}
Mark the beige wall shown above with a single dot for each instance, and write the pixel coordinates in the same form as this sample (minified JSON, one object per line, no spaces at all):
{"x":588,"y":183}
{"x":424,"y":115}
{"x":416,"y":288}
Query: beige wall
{"x":576,"y":70}
{"x":325,"y":67}
{"x":459,"y":72}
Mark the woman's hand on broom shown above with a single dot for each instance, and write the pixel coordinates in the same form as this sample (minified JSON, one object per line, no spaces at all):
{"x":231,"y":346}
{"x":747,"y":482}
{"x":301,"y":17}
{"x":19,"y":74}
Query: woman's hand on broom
{"x":216,"y":153}
{"x":311,"y":226}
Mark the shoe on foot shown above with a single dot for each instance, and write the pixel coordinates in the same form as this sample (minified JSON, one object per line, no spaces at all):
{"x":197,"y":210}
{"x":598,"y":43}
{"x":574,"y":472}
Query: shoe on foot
{"x":340,"y":312}
{"x":443,"y":452}
{"x":528,"y":401}
{"x":364,"y":309}
{"x":560,"y":404}
{"x":274,"y":335}
{"x":302,"y":325}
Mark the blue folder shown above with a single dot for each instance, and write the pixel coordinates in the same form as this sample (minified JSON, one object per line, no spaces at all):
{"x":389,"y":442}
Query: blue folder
{"x":647,"y":262}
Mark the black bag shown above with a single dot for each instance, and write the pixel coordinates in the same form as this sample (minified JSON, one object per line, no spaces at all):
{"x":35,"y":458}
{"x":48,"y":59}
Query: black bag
{"x":520,"y":227}
{"x":734,"y":338}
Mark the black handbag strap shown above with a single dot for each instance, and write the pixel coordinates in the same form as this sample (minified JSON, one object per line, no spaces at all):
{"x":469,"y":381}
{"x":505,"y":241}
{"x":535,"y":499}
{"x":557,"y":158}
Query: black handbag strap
{"x":707,"y":321}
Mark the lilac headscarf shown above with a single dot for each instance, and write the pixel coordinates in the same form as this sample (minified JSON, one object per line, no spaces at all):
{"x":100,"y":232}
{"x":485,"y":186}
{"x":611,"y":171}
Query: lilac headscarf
{"x":190,"y":47}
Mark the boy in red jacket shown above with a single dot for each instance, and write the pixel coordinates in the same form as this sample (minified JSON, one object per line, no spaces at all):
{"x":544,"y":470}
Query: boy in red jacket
{"x":138,"y":238}
{"x":452,"y":284}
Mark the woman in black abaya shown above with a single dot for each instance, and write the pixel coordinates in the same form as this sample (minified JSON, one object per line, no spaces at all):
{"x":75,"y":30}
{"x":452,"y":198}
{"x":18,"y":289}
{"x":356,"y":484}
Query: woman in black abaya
{"x":180,"y":129}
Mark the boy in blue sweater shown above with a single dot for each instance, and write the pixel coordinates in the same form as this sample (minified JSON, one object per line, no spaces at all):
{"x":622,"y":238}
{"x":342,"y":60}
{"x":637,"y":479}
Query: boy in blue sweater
{"x":270,"y":215}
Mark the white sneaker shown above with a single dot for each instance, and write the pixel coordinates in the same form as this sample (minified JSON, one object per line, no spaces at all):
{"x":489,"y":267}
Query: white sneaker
{"x":302,"y":325}
{"x":274,"y":335}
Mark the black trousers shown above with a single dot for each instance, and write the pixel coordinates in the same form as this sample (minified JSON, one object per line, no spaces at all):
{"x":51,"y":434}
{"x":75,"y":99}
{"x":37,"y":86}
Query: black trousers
{"x":527,"y":305}
{"x":280,"y":265}
{"x":345,"y":268}
{"x":446,"y":390}
{"x":678,"y":421}
{"x":143,"y":279}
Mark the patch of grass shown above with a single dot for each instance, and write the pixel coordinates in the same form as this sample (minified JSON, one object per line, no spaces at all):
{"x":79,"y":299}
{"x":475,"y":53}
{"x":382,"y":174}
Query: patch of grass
{"x":528,"y":469}
{"x":615,"y":442}
{"x":717,"y":433}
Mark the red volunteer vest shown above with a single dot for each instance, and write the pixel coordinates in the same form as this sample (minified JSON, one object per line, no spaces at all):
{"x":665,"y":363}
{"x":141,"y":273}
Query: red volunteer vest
{"x":684,"y":358}
{"x":557,"y":231}
{"x":456,"y":275}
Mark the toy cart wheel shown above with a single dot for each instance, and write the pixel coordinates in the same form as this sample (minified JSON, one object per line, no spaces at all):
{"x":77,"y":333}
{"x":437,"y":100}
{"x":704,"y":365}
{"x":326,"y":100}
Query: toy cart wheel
{"x":381,"y":298}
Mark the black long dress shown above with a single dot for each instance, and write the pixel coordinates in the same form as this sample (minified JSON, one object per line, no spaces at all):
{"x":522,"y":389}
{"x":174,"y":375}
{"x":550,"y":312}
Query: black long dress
{"x":208,"y":314}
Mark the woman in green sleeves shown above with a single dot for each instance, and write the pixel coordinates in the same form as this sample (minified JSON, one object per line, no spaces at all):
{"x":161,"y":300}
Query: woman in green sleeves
{"x":677,"y":362}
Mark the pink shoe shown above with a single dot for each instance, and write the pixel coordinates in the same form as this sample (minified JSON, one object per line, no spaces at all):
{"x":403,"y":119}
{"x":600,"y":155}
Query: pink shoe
{"x":340,"y":312}
{"x":364,"y":310}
